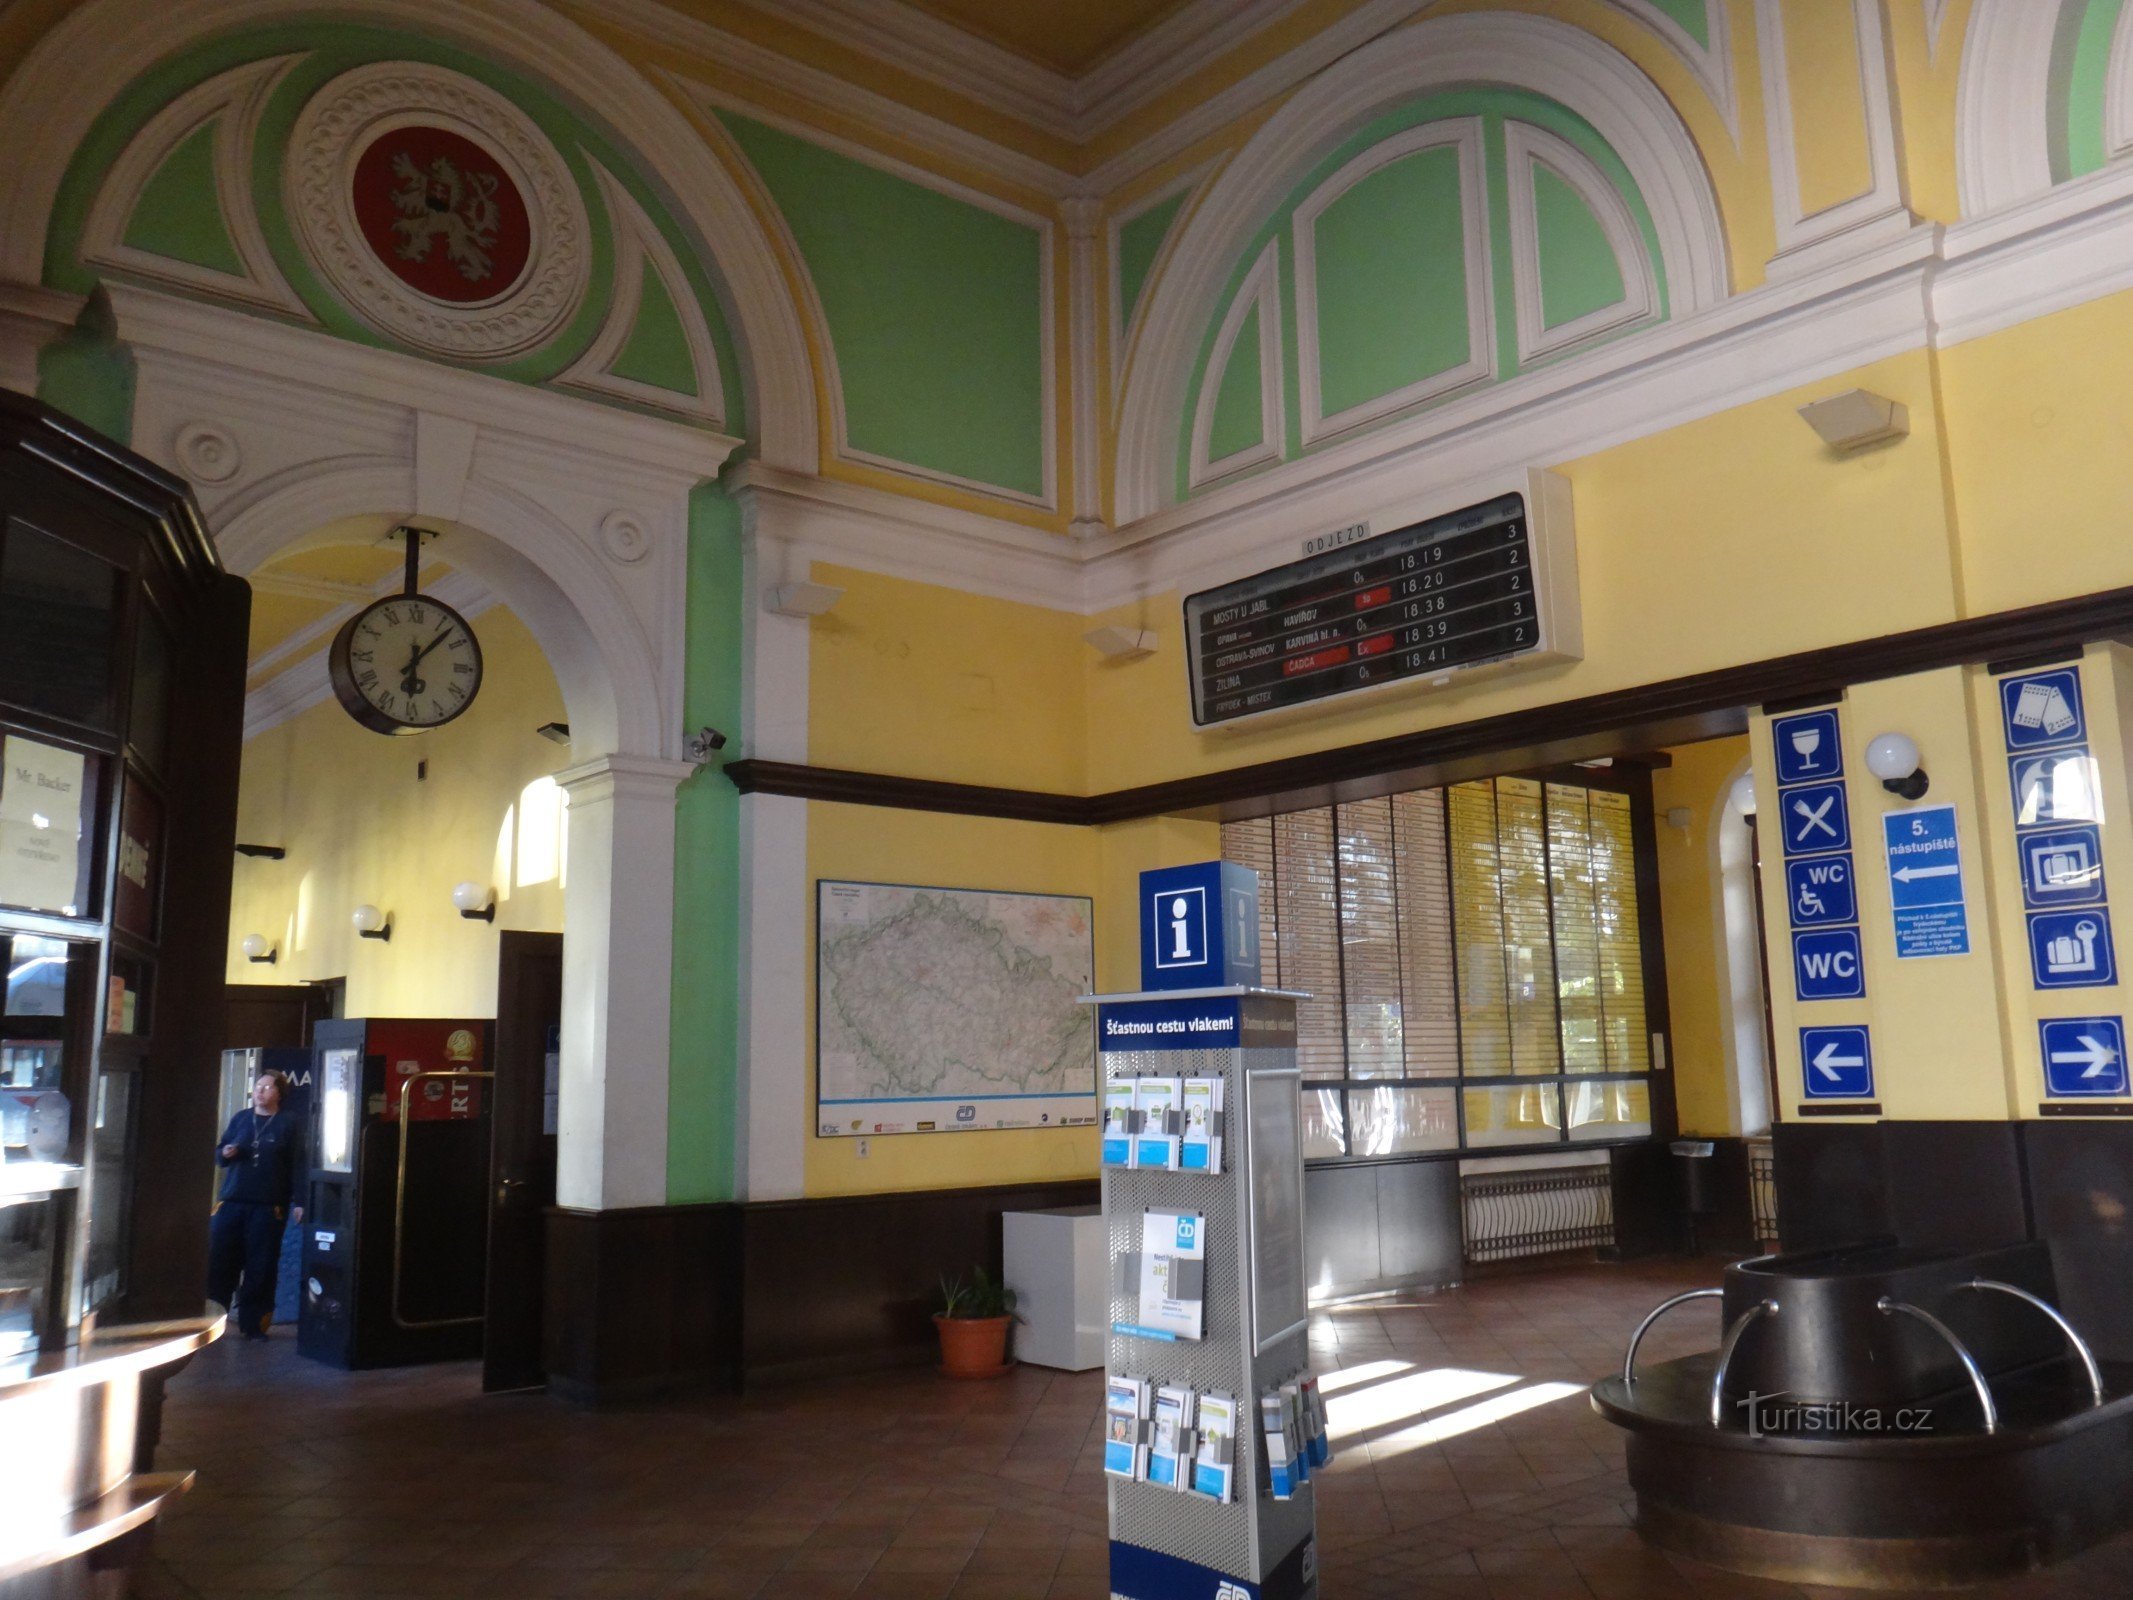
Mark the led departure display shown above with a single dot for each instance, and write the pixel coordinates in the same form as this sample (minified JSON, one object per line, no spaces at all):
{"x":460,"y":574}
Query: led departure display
{"x":1418,"y":602}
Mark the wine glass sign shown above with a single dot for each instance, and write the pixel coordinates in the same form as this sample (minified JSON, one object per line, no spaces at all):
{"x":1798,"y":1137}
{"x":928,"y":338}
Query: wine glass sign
{"x":1807,"y":748}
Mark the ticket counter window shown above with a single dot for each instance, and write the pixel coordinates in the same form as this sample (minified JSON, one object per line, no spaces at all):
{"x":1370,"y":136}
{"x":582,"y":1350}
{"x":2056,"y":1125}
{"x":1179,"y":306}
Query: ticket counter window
{"x":1475,"y":961}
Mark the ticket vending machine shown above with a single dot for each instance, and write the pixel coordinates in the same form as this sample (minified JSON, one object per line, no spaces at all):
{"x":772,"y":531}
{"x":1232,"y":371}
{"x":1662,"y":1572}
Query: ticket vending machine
{"x":1212,"y":1422}
{"x":395,"y":1234}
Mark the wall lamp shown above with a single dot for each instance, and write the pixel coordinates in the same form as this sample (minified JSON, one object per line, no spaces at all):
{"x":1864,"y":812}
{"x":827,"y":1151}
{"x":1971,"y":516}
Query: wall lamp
{"x":264,"y":852}
{"x":371,"y":923}
{"x":1893,"y":758}
{"x":256,"y":948}
{"x":475,"y":903}
{"x":558,"y":732}
{"x":1743,"y":794}
{"x":801,"y":599}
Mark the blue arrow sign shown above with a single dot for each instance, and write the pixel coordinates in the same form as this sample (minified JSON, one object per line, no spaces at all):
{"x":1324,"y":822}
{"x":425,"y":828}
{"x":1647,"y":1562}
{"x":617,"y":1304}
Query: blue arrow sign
{"x":2083,"y":1055}
{"x":1815,"y":818}
{"x":1807,"y":747}
{"x":1836,"y":1064}
{"x":1826,"y":966}
{"x":2062,"y":868}
{"x":1818,"y":890}
{"x":2041,"y":708}
{"x":2072,"y":949}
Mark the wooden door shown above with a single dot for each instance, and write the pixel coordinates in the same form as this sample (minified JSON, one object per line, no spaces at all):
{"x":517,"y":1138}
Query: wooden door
{"x":529,"y":1010}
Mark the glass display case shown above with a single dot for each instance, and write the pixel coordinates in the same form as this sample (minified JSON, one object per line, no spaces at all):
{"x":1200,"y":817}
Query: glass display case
{"x":121,"y":701}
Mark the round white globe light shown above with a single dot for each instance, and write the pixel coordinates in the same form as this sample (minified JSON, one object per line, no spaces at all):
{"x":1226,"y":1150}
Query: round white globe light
{"x":1891,"y":755}
{"x":254,"y":946}
{"x":469,"y":895}
{"x":1743,"y":794}
{"x":367,"y":919}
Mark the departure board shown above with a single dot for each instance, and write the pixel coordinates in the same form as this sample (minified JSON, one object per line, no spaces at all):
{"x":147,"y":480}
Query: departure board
{"x":1419,"y":602}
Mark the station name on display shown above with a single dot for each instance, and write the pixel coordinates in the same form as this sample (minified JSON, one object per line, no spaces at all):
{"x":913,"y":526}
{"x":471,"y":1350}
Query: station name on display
{"x":1421,"y":602}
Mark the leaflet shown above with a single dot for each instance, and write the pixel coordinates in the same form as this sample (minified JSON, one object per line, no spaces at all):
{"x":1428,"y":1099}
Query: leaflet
{"x":1173,"y":1273}
{"x":1156,"y":1144}
{"x":1125,"y":1440}
{"x":1119,"y":1122}
{"x":1318,"y":1448}
{"x":1166,"y":1445}
{"x":1199,"y":1145}
{"x":1286,"y":1469}
{"x":1213,"y":1472}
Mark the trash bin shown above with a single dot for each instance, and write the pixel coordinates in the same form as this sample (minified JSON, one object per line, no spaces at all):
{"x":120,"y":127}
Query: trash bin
{"x":1697,"y":1187}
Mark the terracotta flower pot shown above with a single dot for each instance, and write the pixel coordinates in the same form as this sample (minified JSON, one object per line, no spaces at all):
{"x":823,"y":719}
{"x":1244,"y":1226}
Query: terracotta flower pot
{"x":973,"y":1347}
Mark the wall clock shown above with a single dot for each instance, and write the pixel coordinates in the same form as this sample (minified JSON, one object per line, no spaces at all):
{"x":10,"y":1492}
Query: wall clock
{"x":407,"y":663}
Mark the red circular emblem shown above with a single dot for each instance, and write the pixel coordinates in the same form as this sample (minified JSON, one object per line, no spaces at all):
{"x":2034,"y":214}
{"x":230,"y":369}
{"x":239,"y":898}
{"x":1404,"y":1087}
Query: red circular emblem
{"x":443,"y":214}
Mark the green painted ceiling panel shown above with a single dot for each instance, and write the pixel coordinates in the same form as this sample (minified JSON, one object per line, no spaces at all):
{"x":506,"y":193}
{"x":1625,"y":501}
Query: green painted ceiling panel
{"x":935,"y":307}
{"x":1237,"y":423}
{"x":1578,"y":270}
{"x":657,"y":350}
{"x":179,"y":215}
{"x":1692,"y":15}
{"x":1391,"y":280}
{"x":1138,"y":242}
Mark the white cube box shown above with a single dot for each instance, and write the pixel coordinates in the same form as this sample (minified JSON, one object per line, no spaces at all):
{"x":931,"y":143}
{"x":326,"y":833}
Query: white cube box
{"x":1057,"y":1264}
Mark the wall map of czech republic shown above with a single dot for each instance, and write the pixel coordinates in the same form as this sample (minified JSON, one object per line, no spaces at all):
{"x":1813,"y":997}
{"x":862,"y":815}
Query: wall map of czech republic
{"x":944,"y":1010}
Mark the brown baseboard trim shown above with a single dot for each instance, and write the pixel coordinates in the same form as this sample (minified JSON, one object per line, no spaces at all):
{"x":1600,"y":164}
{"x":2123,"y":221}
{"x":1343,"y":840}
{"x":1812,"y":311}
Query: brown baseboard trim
{"x":1869,"y":1108}
{"x":1678,"y":710}
{"x":2076,"y":1108}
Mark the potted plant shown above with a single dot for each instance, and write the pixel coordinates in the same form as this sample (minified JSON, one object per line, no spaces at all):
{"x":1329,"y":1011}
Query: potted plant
{"x":974,"y":1317}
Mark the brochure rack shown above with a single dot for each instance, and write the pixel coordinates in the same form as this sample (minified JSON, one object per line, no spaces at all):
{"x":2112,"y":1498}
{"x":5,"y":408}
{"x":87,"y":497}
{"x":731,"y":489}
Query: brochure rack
{"x":1168,"y":1543}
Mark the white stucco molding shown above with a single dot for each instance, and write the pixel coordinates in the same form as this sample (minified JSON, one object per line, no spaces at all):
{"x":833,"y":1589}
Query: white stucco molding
{"x":99,"y":48}
{"x":30,"y":318}
{"x":2002,"y":106}
{"x":1534,"y":53}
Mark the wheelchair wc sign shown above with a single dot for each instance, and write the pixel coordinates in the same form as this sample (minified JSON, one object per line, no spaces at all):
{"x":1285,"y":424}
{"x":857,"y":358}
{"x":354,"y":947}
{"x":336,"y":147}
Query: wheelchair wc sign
{"x":1818,"y":890}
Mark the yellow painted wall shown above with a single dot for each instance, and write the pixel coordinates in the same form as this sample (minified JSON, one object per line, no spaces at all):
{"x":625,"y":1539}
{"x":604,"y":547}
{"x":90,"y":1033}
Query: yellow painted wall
{"x":1692,"y":922}
{"x":2039,"y":427}
{"x":360,"y":826}
{"x":1828,"y":102}
{"x":916,"y":679}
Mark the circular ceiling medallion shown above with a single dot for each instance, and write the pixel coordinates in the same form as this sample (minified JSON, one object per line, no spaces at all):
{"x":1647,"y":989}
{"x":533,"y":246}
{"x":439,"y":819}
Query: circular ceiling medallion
{"x":438,"y":211}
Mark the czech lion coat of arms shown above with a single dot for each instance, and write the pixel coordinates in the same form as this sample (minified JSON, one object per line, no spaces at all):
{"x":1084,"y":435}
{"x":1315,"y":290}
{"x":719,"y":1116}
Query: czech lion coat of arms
{"x":444,"y":203}
{"x":442,"y":213}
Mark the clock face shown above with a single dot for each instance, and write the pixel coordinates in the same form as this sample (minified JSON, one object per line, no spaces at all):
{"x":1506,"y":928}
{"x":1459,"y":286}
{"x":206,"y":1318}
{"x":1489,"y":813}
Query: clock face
{"x":405,"y":664}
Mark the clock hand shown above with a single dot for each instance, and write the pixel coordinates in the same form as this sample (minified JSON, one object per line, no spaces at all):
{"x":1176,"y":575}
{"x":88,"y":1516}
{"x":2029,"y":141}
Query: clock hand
{"x":443,"y":634}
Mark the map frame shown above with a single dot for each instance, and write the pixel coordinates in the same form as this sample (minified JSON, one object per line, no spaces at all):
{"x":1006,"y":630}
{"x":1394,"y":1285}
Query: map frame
{"x":922,"y":1114}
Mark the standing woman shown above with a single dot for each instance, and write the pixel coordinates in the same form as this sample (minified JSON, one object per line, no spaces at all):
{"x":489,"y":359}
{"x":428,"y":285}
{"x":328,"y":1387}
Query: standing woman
{"x":263,"y":1154}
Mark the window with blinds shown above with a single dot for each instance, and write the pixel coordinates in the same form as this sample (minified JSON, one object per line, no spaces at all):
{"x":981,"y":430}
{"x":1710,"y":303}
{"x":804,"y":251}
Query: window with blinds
{"x":1474,"y":960}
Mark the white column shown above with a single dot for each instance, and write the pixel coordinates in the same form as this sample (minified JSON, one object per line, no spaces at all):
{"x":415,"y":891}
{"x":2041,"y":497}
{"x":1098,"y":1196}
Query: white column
{"x":618,"y":962}
{"x":1083,"y":384}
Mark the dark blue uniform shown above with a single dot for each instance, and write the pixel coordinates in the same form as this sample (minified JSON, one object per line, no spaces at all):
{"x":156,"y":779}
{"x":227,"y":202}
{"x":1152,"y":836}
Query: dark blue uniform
{"x":244,"y":1240}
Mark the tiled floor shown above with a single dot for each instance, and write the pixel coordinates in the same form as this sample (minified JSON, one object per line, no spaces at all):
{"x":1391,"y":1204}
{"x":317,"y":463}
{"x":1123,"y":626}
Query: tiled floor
{"x":1471,"y":1468}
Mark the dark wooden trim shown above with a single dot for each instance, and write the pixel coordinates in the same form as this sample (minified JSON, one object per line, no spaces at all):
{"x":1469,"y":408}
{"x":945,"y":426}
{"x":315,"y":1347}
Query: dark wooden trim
{"x":1871,"y":1108}
{"x":906,"y":794}
{"x":1618,"y":723}
{"x":2078,"y":1109}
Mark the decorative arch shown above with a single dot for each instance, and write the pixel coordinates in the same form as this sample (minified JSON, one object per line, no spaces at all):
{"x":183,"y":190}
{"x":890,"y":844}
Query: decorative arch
{"x":2003,"y":100}
{"x":51,"y":103}
{"x":1537,"y":54}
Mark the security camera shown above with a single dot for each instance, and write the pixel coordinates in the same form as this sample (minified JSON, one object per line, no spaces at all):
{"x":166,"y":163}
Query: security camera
{"x":703,"y":742}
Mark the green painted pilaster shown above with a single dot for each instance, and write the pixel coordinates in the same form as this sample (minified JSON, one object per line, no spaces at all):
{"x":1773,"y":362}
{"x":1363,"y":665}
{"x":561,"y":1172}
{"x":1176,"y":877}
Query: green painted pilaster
{"x":704,"y":1059}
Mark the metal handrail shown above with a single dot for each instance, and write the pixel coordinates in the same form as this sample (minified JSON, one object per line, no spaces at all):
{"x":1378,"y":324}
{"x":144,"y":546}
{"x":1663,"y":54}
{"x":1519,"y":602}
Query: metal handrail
{"x":407,"y":1085}
{"x":2081,"y":1345}
{"x":1629,"y":1356}
{"x":1725,"y":1354}
{"x":1889,"y":1307}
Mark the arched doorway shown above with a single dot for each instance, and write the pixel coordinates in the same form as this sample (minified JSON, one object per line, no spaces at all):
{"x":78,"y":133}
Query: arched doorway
{"x":574,"y":516}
